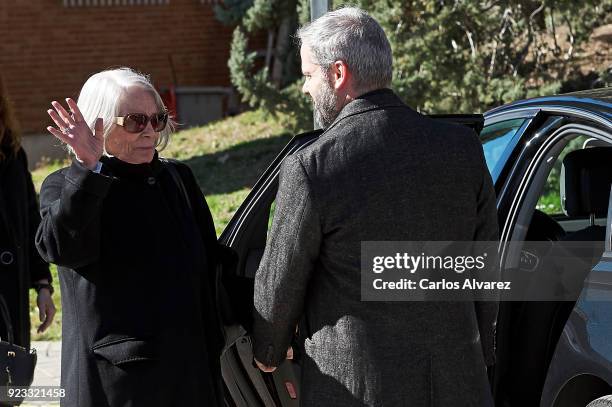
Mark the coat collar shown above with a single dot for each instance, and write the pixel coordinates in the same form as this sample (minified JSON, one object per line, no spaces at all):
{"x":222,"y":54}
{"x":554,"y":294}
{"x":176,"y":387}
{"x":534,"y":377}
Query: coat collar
{"x":115,"y":167}
{"x":374,"y":100}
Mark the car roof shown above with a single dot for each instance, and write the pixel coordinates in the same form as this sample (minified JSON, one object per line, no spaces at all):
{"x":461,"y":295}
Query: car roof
{"x":593,"y":100}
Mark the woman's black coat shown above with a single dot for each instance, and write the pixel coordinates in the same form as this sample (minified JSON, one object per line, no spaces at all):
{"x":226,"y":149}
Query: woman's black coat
{"x":136,"y":272}
{"x":19,"y":219}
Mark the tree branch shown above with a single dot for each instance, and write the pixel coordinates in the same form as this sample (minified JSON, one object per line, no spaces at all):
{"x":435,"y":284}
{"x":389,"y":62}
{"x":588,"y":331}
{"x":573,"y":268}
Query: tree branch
{"x":570,"y":51}
{"x":530,"y":38}
{"x":557,"y":49}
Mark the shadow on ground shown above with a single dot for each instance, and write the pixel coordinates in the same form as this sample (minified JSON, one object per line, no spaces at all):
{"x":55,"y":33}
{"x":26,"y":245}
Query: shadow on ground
{"x":237,"y":167}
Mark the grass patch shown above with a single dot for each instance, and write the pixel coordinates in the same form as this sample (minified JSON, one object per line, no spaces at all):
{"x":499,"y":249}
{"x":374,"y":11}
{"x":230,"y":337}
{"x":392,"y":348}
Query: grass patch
{"x":550,"y":204}
{"x":42,"y":171}
{"x":225,"y":134}
{"x":226,"y":158}
{"x":223,"y":207}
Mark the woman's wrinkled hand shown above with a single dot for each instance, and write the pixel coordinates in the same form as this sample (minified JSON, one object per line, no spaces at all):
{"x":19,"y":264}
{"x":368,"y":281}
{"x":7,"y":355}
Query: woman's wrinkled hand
{"x":46,"y":309}
{"x":74,"y":131}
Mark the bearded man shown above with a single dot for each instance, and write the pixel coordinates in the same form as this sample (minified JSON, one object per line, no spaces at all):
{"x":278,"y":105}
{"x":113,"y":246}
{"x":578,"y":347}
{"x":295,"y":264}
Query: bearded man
{"x":379,"y":172}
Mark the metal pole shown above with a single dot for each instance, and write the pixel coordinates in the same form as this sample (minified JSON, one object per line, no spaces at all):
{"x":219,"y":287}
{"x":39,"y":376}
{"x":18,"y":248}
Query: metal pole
{"x":317,"y":9}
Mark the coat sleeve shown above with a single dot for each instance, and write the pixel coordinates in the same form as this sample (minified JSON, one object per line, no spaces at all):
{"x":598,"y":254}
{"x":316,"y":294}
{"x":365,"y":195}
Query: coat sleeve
{"x":287,"y":264}
{"x":487,"y":230}
{"x":71,"y":203}
{"x":39,"y":269}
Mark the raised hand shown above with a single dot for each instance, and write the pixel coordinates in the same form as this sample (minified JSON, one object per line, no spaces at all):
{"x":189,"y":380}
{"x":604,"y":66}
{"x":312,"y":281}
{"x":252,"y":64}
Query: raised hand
{"x":74,"y":131}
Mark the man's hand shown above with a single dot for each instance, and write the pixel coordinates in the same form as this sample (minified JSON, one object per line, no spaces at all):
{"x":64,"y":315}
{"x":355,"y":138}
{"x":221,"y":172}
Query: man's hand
{"x":46,"y":309}
{"x":270,"y":369}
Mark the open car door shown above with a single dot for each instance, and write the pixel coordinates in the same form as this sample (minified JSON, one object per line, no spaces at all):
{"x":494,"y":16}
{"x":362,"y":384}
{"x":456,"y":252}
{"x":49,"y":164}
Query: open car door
{"x":246,"y":235}
{"x":581,"y":369}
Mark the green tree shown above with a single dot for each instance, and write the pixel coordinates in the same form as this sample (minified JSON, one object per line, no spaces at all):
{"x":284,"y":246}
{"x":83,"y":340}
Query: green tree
{"x":274,"y":85}
{"x":466,"y":56}
{"x":450,"y":56}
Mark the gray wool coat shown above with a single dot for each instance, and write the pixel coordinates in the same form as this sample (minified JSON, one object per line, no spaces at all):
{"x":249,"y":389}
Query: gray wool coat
{"x":381,"y":171}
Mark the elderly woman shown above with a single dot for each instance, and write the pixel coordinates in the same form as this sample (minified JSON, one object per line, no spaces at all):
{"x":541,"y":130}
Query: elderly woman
{"x":21,"y":268}
{"x":136,"y":248}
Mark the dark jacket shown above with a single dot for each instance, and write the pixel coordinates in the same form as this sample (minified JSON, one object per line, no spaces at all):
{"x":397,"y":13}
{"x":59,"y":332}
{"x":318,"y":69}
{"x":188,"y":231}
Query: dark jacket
{"x":136,"y":272}
{"x":19,"y":219}
{"x":380,"y":172}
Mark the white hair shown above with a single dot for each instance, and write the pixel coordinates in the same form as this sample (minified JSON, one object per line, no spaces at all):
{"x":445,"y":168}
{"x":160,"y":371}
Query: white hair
{"x":350,"y":35}
{"x":101,"y":93}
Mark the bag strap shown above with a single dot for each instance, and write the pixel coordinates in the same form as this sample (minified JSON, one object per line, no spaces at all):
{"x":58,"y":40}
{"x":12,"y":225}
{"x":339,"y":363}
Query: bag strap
{"x":220,"y":288}
{"x":177,"y":180}
{"x":7,"y":320}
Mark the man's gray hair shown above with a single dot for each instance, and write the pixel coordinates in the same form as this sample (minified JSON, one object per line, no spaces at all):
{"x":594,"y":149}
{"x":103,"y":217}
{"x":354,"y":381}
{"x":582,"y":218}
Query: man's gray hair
{"x":350,"y":35}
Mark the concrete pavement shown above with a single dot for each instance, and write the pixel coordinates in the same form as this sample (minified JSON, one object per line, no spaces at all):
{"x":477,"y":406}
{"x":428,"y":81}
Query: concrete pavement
{"x":47,"y":371}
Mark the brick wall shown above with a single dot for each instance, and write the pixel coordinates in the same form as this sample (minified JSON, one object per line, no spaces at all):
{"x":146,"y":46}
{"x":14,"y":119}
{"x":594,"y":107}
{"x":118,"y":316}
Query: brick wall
{"x":48,"y":48}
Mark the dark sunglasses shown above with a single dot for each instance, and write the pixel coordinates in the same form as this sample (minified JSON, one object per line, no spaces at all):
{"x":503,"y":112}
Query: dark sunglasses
{"x":137,"y":122}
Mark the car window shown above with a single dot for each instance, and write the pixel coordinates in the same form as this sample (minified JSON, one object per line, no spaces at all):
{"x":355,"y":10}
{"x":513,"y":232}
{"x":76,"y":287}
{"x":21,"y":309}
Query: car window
{"x":550,"y":200}
{"x":496,"y":137}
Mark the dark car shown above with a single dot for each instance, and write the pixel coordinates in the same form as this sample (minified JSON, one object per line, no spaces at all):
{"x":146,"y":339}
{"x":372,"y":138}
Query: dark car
{"x":551,"y":162}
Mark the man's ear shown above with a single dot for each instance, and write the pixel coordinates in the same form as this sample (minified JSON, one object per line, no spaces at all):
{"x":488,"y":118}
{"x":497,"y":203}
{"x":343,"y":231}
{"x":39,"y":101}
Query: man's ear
{"x":341,"y":76}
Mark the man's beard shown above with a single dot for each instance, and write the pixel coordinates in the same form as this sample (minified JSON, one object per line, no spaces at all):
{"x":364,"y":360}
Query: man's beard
{"x":325,"y":106}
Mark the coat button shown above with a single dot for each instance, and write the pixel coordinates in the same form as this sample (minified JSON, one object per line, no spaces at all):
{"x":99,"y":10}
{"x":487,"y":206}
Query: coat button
{"x":151,"y":181}
{"x":7,"y":258}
